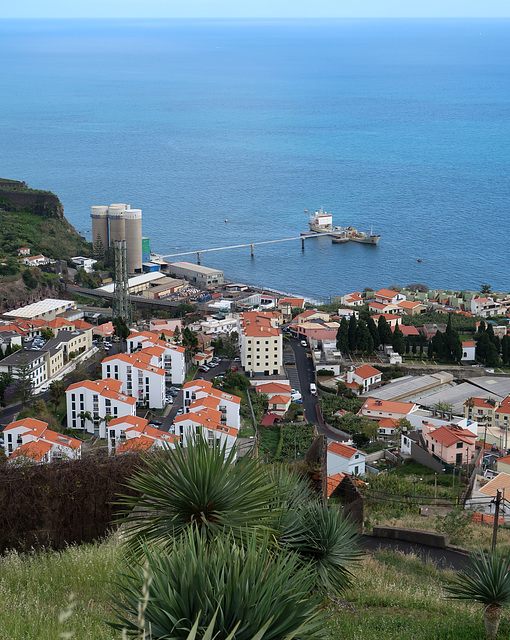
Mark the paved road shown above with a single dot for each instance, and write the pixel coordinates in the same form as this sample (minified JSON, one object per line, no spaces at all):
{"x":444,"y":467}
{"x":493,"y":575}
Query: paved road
{"x":441,"y":558}
{"x":168,"y":420}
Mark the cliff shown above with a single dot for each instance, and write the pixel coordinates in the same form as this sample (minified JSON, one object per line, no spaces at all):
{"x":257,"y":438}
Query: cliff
{"x":17,"y":196}
{"x":35,"y":219}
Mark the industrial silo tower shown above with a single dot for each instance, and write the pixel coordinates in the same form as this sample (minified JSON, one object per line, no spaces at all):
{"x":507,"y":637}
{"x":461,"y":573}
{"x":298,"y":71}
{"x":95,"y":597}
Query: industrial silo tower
{"x":133,"y":221}
{"x":100,"y":236}
{"x":117,"y":222}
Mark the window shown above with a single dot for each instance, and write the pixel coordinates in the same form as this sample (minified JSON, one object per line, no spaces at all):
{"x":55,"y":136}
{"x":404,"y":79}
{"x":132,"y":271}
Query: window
{"x":459,"y":445}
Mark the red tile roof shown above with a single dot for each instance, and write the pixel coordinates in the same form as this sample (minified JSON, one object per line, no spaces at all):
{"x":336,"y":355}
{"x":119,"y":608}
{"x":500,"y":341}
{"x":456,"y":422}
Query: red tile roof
{"x":343,"y":450}
{"x":367,"y":371}
{"x":448,"y":435}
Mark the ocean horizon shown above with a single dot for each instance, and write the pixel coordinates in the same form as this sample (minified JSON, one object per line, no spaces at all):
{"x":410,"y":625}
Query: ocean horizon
{"x":397,"y":125}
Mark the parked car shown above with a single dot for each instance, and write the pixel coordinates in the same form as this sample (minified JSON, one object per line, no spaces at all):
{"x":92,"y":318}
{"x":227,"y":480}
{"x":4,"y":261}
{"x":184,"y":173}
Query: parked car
{"x":169,"y":400}
{"x":235,"y":368}
{"x":304,"y":343}
{"x":204,"y":368}
{"x":180,"y":412}
{"x":296,"y":397}
{"x":157,"y":423}
{"x":313,"y":388}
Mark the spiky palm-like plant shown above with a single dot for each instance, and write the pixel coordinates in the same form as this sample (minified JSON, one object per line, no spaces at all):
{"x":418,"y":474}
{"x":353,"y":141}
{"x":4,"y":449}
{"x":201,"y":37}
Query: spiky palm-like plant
{"x":324,"y":541}
{"x":241,"y":587}
{"x":488,"y":583}
{"x":199,"y":486}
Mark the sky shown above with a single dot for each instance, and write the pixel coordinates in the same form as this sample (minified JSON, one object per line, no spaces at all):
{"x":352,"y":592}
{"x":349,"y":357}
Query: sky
{"x":254,"y":8}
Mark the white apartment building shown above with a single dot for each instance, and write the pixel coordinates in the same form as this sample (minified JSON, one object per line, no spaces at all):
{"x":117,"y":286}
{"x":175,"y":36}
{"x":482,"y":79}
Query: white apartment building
{"x":34,"y":360}
{"x":31,"y":439}
{"x":207,"y":422}
{"x":130,"y":434}
{"x":139,"y":377}
{"x":196,"y":392}
{"x":215,"y":326}
{"x":261,"y":343}
{"x":100,"y":400}
{"x":171,"y":356}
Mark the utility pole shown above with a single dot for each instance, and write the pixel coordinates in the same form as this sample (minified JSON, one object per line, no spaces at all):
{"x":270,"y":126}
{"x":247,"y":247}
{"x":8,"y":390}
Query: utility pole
{"x":496,"y":516}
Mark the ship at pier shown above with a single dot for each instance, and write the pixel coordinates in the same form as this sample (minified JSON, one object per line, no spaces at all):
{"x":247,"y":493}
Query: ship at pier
{"x":322,"y":222}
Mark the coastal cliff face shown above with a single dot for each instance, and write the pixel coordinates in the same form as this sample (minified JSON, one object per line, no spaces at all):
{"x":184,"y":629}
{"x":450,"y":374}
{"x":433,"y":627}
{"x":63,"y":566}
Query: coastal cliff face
{"x":35,"y":219}
{"x":17,"y":196}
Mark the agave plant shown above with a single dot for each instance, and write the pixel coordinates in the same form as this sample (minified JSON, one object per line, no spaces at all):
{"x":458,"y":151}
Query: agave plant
{"x":488,"y":583}
{"x":233,"y":587}
{"x":324,"y":541}
{"x":201,"y":486}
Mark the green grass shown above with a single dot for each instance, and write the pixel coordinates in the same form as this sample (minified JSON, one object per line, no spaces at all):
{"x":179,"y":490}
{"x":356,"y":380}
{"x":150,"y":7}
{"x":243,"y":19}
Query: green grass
{"x":393,"y":597}
{"x":35,"y":590}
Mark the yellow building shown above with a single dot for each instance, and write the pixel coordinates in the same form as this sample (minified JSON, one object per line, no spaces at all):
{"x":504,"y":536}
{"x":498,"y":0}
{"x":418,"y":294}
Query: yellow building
{"x":261,"y":342}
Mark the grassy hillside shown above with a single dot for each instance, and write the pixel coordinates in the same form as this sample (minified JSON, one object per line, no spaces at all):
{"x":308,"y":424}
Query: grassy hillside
{"x":393,"y":598}
{"x":34,"y":218}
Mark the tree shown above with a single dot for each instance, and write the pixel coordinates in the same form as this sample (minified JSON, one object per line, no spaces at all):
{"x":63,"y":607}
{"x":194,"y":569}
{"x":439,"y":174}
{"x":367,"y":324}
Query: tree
{"x":374,"y":332}
{"x":370,"y":428}
{"x":505,"y":349}
{"x":342,"y":336}
{"x":57,"y":391}
{"x":189,"y":341}
{"x":177,"y":335}
{"x":229,"y":591}
{"x":492,"y":357}
{"x":121,"y":329}
{"x":487,"y":583}
{"x":47,"y":334}
{"x":84,"y":417}
{"x":364,"y":342}
{"x":385,"y":333}
{"x":6,"y":380}
{"x":398,"y":341}
{"x":217,"y":345}
{"x":231,"y":346}
{"x":351,"y":334}
{"x":485,"y":289}
{"x":23,"y":380}
{"x":202,"y":489}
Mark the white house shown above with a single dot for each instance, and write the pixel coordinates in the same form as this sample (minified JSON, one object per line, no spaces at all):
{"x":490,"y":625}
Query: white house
{"x":278,"y":394}
{"x":171,"y":356}
{"x":388,"y":296}
{"x":31,"y":439}
{"x":86,"y":263}
{"x":101,"y":400}
{"x":378,"y":409}
{"x":215,"y":326}
{"x":485,"y":307}
{"x":129,"y":434}
{"x":139,"y":377}
{"x":365,"y":376}
{"x":344,"y":459}
{"x":352,"y":299}
{"x":208,"y":423}
{"x":227,"y":404}
{"x":468,"y":350}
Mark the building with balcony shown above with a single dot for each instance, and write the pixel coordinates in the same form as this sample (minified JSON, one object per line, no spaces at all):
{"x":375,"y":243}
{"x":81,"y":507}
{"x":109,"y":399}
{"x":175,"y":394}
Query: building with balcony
{"x":90,"y":405}
{"x":131,"y":434}
{"x":140,"y":378}
{"x":30,"y":439}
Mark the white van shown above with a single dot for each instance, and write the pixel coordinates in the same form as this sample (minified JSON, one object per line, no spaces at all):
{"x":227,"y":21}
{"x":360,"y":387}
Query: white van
{"x":313,"y":388}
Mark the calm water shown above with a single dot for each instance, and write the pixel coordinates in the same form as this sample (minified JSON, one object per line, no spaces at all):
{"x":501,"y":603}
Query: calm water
{"x":403,"y":125}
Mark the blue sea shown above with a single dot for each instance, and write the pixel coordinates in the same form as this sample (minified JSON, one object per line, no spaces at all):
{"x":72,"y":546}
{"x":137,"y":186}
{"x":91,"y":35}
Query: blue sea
{"x":398,"y":125}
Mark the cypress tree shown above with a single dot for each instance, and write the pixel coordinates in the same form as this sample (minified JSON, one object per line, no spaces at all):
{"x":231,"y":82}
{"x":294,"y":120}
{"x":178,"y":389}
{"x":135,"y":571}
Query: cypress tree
{"x":398,"y":341}
{"x":505,"y":348}
{"x":352,"y":332}
{"x":385,"y":334}
{"x":374,"y":332}
{"x":342,"y":336}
